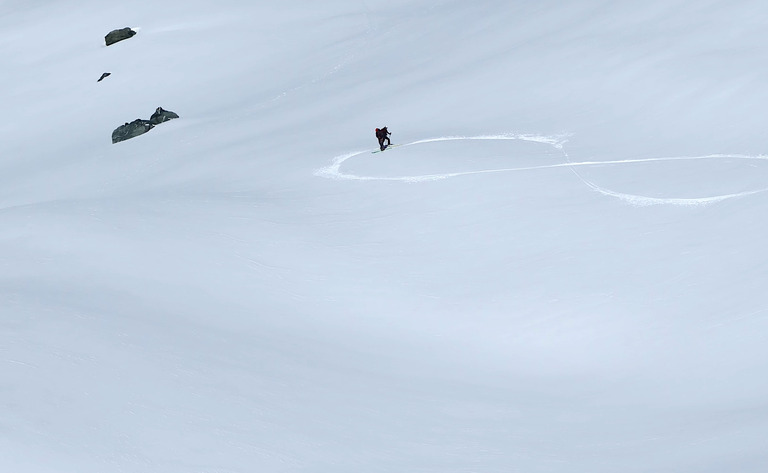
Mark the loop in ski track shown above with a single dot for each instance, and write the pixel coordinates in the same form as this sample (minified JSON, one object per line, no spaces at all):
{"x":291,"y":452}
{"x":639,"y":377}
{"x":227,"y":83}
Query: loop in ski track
{"x":333,"y":170}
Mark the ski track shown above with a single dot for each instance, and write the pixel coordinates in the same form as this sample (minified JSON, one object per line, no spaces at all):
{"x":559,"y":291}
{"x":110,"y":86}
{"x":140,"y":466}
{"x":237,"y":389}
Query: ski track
{"x":333,"y":170}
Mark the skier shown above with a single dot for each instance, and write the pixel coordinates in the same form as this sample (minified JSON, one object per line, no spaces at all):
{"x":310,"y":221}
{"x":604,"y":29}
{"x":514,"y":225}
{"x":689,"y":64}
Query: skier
{"x":382,"y":135}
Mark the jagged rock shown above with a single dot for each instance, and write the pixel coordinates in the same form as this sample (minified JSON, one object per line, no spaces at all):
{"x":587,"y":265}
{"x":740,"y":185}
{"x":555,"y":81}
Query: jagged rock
{"x":139,"y":126}
{"x":103,"y":76}
{"x":131,"y":130}
{"x":161,"y":116}
{"x":118,"y":35}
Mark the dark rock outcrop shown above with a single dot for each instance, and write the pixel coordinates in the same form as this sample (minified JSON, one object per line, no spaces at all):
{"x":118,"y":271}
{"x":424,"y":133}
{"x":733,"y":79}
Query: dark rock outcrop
{"x":131,"y":130}
{"x":161,"y":116}
{"x":139,"y":126}
{"x":118,"y":35}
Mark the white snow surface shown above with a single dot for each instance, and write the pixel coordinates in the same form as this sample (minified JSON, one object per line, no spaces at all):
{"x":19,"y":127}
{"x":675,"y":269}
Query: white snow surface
{"x":561,"y":269}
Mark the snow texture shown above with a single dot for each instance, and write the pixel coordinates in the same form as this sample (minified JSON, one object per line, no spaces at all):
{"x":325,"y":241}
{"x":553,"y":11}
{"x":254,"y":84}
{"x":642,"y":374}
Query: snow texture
{"x":561,"y":269}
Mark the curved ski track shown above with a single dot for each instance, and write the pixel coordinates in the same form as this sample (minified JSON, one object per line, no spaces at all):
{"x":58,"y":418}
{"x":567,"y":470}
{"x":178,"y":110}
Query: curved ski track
{"x":333,"y":170}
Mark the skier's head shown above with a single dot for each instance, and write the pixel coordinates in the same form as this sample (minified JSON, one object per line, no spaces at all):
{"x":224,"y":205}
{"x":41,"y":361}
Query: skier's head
{"x":377,"y":130}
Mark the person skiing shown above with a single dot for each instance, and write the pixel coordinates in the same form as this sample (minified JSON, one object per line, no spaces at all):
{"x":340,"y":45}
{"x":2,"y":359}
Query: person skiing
{"x":383,"y":135}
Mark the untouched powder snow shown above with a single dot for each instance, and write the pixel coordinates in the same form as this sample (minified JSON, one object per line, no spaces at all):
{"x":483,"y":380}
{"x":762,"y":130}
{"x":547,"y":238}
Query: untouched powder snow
{"x":561,"y":268}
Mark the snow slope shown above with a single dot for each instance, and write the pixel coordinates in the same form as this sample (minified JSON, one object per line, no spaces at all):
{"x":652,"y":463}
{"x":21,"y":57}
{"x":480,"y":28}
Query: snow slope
{"x":560,"y":270}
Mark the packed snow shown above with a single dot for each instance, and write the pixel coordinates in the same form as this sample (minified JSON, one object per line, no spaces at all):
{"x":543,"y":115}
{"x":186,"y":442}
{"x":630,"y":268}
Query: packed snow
{"x":561,"y":267}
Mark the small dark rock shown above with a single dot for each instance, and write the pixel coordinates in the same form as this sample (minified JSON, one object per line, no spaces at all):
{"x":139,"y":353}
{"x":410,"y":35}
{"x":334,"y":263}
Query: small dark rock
{"x":118,"y":35}
{"x":103,"y":76}
{"x":161,"y":116}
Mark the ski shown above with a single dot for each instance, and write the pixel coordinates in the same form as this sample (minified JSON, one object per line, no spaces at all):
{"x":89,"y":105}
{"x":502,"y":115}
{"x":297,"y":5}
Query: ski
{"x":381,"y":150}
